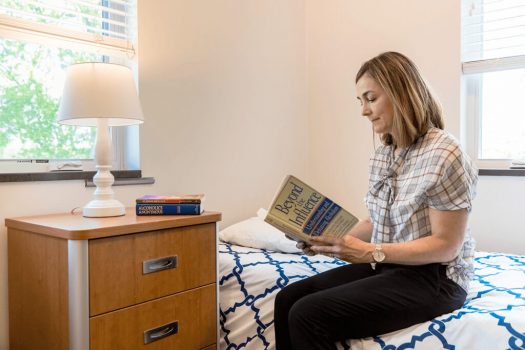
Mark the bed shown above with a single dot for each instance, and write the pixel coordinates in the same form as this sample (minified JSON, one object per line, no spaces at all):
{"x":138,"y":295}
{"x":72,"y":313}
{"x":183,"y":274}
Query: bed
{"x":256,"y":261}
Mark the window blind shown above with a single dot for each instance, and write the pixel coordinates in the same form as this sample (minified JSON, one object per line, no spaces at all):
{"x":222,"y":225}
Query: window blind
{"x":101,"y":26}
{"x":492,"y":35}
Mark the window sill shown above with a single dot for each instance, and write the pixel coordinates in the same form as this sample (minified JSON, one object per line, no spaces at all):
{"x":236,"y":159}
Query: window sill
{"x":501,"y":172}
{"x":122,"y":177}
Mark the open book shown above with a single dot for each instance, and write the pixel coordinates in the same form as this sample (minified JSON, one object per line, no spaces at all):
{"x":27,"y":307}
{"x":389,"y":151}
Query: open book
{"x":301,"y":212}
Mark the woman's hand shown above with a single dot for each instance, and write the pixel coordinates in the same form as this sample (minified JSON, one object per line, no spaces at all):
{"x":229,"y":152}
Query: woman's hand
{"x":307,"y":249}
{"x":348,"y":248}
{"x":302,"y":245}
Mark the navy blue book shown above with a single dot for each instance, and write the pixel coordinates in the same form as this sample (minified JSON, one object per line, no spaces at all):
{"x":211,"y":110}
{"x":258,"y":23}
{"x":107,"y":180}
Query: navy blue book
{"x":169,"y":209}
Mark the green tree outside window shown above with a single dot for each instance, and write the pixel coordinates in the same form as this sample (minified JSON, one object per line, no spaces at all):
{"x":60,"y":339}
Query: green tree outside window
{"x":29,"y":98}
{"x":31,"y":78}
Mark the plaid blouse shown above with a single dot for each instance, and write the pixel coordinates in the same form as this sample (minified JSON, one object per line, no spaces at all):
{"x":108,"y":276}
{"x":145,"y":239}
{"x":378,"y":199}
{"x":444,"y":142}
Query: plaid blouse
{"x":432,"y":173}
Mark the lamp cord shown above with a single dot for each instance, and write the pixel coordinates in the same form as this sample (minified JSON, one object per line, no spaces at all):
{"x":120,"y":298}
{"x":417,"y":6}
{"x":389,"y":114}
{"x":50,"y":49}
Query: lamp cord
{"x":74,"y":209}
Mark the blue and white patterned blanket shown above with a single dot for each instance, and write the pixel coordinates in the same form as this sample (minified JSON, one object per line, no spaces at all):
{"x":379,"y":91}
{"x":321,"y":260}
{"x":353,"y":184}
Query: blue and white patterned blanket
{"x":492,"y":318}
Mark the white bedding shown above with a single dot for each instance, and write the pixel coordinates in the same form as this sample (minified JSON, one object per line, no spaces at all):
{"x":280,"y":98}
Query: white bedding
{"x":492,"y":318}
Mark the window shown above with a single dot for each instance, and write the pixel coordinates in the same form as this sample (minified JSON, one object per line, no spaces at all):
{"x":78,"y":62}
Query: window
{"x":493,"y":62}
{"x":39,"y":39}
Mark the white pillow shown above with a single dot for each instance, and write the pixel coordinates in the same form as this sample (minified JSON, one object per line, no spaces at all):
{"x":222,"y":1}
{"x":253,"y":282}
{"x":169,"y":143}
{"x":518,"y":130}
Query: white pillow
{"x":256,"y":233}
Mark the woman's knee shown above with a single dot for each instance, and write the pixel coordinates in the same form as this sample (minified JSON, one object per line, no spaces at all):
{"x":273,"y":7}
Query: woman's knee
{"x":305,"y":311}
{"x":287,"y":296}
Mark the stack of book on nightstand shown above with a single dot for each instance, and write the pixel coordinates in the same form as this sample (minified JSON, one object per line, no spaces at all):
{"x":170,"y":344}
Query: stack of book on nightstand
{"x":188,"y":204}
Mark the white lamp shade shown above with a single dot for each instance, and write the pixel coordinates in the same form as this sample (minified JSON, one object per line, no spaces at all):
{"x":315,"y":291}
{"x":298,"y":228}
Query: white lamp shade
{"x":99,"y":90}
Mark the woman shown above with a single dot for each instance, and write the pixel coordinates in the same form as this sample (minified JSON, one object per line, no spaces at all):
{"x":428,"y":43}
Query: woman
{"x":412,"y":258}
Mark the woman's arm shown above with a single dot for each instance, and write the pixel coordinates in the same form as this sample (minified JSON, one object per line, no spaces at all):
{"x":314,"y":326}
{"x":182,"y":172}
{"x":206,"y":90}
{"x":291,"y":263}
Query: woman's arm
{"x":448,"y":231}
{"x":362,"y":230}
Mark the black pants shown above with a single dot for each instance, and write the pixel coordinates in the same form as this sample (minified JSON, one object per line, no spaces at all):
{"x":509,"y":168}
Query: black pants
{"x":355,"y":301}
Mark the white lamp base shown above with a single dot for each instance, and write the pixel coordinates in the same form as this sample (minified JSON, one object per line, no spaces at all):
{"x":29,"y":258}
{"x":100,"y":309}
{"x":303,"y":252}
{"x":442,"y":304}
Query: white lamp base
{"x":103,"y":208}
{"x":103,"y":204}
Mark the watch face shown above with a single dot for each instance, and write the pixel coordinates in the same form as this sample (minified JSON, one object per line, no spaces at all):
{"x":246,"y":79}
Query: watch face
{"x":378,"y":255}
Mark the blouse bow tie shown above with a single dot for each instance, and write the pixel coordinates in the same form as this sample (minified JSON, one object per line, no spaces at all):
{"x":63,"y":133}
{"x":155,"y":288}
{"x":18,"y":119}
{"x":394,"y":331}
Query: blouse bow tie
{"x":384,"y":187}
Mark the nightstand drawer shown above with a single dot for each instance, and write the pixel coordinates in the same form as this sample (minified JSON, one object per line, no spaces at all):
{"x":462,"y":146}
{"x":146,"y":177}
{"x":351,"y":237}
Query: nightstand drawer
{"x":130,"y":269}
{"x":183,"y":321}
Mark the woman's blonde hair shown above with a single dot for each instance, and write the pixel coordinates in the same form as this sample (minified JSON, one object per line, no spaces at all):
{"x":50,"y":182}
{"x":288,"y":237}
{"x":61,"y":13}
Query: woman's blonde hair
{"x":415,"y":108}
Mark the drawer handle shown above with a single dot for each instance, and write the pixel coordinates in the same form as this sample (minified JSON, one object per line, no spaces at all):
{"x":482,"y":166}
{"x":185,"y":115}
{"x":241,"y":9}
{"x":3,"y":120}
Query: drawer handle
{"x":156,"y":265}
{"x":161,"y":332}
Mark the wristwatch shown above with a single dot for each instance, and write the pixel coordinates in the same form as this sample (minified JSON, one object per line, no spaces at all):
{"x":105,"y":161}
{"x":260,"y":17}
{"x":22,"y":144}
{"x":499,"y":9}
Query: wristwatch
{"x":378,"y":254}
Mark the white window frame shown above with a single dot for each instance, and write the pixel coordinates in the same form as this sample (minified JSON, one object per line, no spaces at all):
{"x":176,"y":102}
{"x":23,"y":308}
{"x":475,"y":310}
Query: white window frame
{"x":471,"y":100}
{"x":126,"y":151}
{"x":471,"y":87}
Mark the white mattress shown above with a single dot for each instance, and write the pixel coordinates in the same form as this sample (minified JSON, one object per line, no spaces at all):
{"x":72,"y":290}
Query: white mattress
{"x":492,"y":318}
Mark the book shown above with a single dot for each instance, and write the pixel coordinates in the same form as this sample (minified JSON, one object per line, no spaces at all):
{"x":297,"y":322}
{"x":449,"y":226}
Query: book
{"x":169,"y":209}
{"x":302,"y":212}
{"x":180,"y":199}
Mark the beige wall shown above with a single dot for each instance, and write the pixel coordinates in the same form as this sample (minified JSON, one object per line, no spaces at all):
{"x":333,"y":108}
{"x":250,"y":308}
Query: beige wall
{"x":237,"y":93}
{"x":224,"y":92}
{"x":343,"y":35}
{"x":497,"y":221}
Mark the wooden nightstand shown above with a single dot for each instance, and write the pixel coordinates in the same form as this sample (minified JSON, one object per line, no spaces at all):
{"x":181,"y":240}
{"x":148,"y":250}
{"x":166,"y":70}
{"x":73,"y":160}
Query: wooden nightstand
{"x":115,"y":283}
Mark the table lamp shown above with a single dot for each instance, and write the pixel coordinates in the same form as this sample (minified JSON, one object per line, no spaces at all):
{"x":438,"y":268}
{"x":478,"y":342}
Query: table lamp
{"x":100,"y":95}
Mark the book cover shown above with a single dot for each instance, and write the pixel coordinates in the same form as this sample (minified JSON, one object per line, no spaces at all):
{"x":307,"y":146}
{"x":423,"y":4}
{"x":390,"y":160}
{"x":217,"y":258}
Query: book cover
{"x":185,"y":198}
{"x":301,"y":212}
{"x":169,"y":209}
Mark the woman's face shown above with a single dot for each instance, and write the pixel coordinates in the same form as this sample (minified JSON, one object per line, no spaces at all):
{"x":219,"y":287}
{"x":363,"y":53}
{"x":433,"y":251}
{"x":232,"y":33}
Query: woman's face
{"x":375,"y":104}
